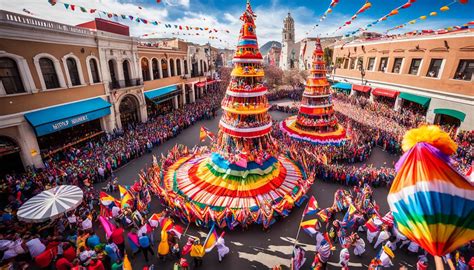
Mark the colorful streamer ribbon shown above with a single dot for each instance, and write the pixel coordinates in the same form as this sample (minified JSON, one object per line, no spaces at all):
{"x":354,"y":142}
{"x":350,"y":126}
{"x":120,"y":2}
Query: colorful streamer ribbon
{"x":424,"y":17}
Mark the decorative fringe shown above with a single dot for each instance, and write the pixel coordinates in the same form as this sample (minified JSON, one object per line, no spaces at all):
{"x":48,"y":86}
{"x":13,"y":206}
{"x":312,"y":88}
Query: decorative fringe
{"x":430,"y":134}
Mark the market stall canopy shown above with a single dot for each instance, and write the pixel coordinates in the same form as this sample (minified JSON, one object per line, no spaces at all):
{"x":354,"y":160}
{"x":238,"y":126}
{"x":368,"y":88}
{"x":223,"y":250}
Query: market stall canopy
{"x":423,"y":101}
{"x":342,"y":86}
{"x":361,"y":88}
{"x":161,"y":94}
{"x":53,"y":119}
{"x":456,"y":114}
{"x":385,"y":92}
{"x":50,"y":203}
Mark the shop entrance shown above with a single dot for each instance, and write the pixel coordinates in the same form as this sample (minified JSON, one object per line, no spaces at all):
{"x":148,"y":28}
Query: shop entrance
{"x":128,"y":111}
{"x":10,"y":159}
{"x":443,"y":119}
{"x":52,"y":143}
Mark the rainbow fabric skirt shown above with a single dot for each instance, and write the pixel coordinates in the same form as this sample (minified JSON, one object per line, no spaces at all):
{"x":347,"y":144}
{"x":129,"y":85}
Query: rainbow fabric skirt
{"x":288,"y":126}
{"x":209,"y":188}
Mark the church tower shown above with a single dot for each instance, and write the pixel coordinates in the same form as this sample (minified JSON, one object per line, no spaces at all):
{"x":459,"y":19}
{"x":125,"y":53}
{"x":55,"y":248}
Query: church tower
{"x":289,"y":56}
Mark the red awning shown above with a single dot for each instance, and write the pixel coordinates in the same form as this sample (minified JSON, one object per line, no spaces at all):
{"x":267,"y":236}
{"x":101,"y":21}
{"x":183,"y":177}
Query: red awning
{"x":210,"y":81}
{"x":385,"y":92}
{"x":201,"y":84}
{"x":361,"y":88}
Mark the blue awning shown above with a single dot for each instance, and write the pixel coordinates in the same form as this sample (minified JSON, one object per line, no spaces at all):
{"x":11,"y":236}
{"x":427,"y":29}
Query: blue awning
{"x":65,"y":116}
{"x":160,"y":92}
{"x":341,"y":85}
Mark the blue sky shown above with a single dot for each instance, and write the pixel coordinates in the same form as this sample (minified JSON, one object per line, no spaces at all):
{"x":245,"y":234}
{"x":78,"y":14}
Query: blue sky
{"x":270,"y":14}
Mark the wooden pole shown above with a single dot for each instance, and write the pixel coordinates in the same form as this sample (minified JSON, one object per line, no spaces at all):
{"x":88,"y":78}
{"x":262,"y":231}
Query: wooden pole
{"x":439,"y":263}
{"x":299,"y":225}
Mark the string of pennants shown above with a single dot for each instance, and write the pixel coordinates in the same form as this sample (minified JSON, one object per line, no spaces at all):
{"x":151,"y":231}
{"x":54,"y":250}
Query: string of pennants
{"x":325,"y":14}
{"x":210,"y":37}
{"x":424,"y":17}
{"x":365,"y":7}
{"x":442,"y":30}
{"x":393,"y":12}
{"x":135,"y":18}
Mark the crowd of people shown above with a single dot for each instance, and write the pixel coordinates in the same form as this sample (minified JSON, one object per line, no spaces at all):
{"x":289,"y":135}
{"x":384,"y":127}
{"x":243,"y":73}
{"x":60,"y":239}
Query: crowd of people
{"x":354,"y":225}
{"x":95,"y":161}
{"x":74,"y":242}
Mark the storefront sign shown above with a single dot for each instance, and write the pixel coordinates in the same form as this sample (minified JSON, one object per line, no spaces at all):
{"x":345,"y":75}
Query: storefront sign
{"x":70,"y":122}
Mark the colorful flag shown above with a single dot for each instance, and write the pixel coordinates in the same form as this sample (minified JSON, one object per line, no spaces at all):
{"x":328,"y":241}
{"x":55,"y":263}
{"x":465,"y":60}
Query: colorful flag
{"x":309,"y":226}
{"x":211,"y":239}
{"x":204,"y":132}
{"x":177,"y":230}
{"x":108,"y":226}
{"x":312,"y":207}
{"x":126,"y":197}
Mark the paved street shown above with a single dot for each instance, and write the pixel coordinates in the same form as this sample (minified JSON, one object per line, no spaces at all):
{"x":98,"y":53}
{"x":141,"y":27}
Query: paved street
{"x":254,"y":248}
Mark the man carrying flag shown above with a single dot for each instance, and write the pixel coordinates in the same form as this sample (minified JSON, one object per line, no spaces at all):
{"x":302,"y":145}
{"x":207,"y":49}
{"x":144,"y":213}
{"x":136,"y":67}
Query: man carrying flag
{"x":204,"y":132}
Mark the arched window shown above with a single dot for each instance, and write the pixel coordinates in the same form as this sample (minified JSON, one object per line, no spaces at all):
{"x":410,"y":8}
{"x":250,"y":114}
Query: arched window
{"x":155,"y":69}
{"x":178,"y":67}
{"x":94,"y":68}
{"x":10,"y":76}
{"x":185,"y":66}
{"x":205,"y":66}
{"x":113,"y":71}
{"x":201,"y":64}
{"x":73,"y":71}
{"x":145,"y":69}
{"x":126,"y":73}
{"x":48,"y":71}
{"x":164,"y":68}
{"x":172,"y":68}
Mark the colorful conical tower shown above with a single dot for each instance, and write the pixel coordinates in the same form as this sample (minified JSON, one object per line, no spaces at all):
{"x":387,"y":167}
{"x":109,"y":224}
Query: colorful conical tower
{"x":316,"y":121}
{"x":243,"y":179}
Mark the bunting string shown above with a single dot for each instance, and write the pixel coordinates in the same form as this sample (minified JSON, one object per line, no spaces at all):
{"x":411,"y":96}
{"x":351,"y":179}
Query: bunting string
{"x":424,"y":17}
{"x":136,"y":18}
{"x":394,"y":12}
{"x":365,"y":7}
{"x":325,"y":14}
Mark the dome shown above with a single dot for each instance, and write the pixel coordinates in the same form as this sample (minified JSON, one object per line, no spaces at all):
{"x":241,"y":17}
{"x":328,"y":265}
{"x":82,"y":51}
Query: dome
{"x":289,"y":18}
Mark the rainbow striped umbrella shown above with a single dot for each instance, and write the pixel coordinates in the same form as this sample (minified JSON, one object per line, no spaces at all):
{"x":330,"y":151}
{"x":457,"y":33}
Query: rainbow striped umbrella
{"x":432,"y":203}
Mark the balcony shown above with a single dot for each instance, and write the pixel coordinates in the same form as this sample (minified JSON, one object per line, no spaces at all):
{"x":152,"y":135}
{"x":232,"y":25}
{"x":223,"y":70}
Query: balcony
{"x":114,"y":85}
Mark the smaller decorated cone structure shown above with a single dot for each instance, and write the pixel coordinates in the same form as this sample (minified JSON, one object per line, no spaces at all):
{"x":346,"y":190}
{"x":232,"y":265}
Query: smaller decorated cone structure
{"x":245,"y":179}
{"x":316,"y":122}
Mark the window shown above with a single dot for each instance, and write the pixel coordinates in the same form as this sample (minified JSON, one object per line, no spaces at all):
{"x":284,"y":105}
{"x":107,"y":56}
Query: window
{"x":164,"y":68}
{"x":73,"y":71}
{"x":48,"y":70}
{"x":145,"y":69}
{"x":185,"y":66}
{"x":397,"y":65}
{"x":10,"y":76}
{"x":172,"y":68}
{"x":435,"y":66}
{"x":464,"y":70}
{"x":371,"y":63}
{"x":154,"y":67}
{"x":360,"y":63}
{"x":415,"y":66}
{"x":383,"y":64}
{"x":178,"y":67}
{"x":94,"y":71}
{"x":346,"y":63}
{"x":353,"y":60}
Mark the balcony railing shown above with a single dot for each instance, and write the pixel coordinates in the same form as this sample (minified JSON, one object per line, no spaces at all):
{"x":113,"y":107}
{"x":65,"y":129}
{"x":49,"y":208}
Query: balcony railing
{"x":125,"y":83}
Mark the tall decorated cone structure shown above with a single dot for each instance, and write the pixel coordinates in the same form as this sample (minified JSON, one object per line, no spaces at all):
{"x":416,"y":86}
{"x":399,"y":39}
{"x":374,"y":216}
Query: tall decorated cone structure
{"x":243,"y":179}
{"x":316,"y":122}
{"x":432,"y":203}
